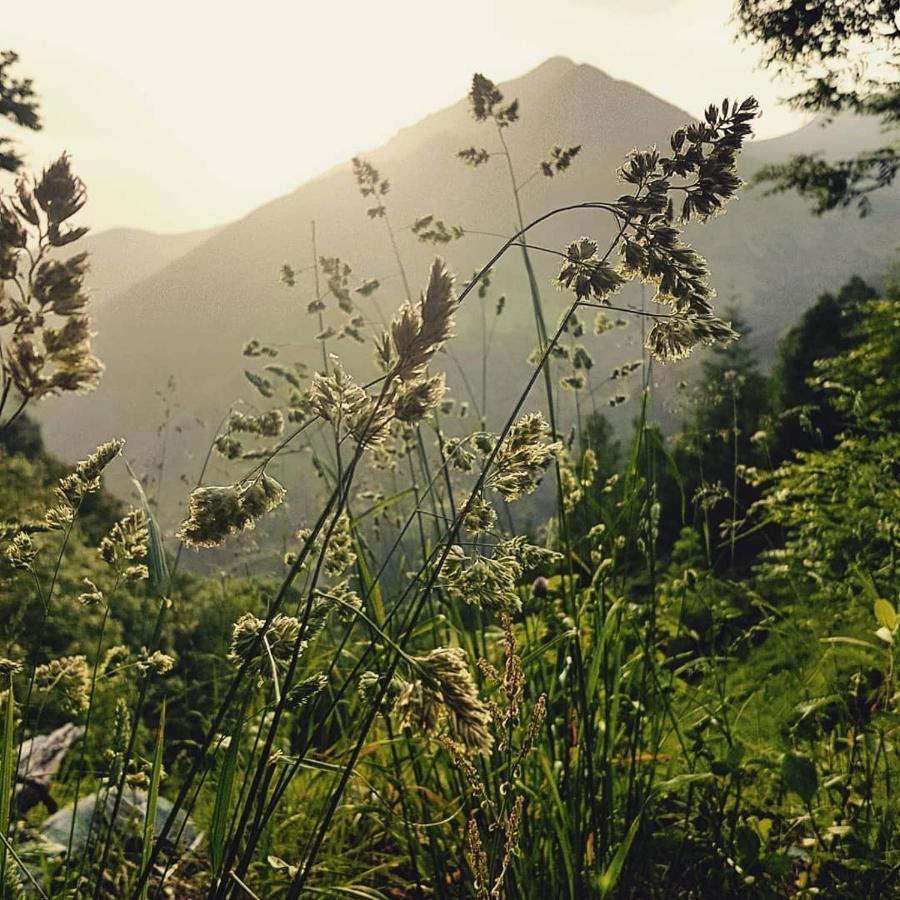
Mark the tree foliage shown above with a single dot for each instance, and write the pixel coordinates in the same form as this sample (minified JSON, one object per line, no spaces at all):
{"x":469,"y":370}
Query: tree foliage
{"x":18,"y":104}
{"x":845,"y":54}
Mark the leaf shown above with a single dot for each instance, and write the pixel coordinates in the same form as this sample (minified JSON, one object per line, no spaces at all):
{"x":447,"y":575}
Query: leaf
{"x":220,"y":818}
{"x":610,"y":878}
{"x":798,"y":774}
{"x":152,"y":796}
{"x":885,"y":614}
{"x":7,"y":761}
{"x":156,"y":552}
{"x":748,"y":845}
{"x":679,"y":781}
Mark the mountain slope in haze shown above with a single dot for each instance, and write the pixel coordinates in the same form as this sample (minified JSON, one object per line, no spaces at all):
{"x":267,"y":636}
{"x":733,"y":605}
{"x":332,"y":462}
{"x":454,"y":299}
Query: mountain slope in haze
{"x":837,"y":137}
{"x":121,"y":257}
{"x":184,"y":326}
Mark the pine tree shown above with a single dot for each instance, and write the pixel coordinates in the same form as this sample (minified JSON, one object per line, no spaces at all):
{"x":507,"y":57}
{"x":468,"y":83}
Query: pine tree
{"x":719,"y":438}
{"x":803,"y":421}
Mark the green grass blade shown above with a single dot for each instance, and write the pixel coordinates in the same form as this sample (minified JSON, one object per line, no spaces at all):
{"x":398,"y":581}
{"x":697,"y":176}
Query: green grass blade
{"x":6,"y":777}
{"x":152,"y":795}
{"x":156,"y":553}
{"x":610,"y":878}
{"x":218,"y":831}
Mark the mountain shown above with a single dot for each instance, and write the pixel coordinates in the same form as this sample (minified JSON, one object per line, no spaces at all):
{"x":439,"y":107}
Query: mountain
{"x":837,"y":137}
{"x":121,"y":257}
{"x":172,"y":341}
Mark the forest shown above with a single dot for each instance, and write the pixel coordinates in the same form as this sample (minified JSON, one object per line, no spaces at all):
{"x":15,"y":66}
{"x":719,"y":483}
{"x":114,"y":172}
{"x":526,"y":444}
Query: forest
{"x":440,"y":530}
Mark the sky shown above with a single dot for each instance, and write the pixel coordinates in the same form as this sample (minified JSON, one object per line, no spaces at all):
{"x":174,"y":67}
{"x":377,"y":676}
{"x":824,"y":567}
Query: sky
{"x":184,"y":115}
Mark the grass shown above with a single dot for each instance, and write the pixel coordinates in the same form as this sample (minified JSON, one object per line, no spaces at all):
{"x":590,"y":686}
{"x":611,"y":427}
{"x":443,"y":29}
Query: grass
{"x":432,"y":701}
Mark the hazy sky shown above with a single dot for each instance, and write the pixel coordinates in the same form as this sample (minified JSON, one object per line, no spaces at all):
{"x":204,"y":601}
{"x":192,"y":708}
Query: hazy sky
{"x":186,"y":114}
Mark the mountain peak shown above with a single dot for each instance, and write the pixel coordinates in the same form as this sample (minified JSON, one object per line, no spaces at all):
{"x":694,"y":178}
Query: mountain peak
{"x":553,"y":65}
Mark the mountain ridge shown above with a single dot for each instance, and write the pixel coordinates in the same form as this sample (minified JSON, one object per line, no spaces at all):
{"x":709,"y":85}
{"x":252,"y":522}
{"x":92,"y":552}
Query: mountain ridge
{"x":190,"y":318}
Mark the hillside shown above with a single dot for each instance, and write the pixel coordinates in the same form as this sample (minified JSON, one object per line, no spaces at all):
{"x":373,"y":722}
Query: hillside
{"x":189,"y":319}
{"x":122,"y":257}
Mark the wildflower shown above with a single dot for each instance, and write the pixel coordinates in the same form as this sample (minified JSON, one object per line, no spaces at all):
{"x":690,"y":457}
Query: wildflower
{"x":58,"y":517}
{"x":340,"y":401}
{"x":371,"y":184}
{"x":458,"y":455}
{"x":369,"y":685}
{"x":418,"y":707}
{"x":339,"y":552}
{"x":227,"y":446}
{"x":601,"y":324}
{"x":114,"y":659}
{"x":482,"y":580}
{"x":73,"y":488}
{"x":137,"y":780}
{"x":560,"y":160}
{"x":269,"y":424}
{"x":474,"y":156}
{"x":304,"y":691}
{"x":485,"y":99}
{"x":491,"y":581}
{"x":477,"y":859}
{"x":569,"y":483}
{"x":574,"y":382}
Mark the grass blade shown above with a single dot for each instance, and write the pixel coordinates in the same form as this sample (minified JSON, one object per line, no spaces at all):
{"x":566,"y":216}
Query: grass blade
{"x":152,"y":795}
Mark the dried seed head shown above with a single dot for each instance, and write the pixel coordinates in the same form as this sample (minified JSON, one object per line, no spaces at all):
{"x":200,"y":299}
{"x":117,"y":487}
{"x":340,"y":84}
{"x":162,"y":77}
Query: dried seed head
{"x":92,"y":596}
{"x":249,"y":644}
{"x":416,"y":399}
{"x":9,"y":667}
{"x":524,"y":455}
{"x":469,"y":717}
{"x":68,"y":680}
{"x":481,"y":516}
{"x":419,"y":331}
{"x":21,"y":551}
{"x":673,"y":338}
{"x":159,"y":662}
{"x":125,"y":547}
{"x":215,"y":512}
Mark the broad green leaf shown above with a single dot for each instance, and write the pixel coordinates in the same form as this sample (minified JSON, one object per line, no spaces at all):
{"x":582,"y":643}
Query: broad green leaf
{"x":885,"y":614}
{"x":679,"y":781}
{"x":798,"y":774}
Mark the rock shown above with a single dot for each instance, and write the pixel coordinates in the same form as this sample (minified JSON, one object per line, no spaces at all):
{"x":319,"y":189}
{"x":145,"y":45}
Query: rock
{"x":129,"y":820}
{"x":39,"y":760}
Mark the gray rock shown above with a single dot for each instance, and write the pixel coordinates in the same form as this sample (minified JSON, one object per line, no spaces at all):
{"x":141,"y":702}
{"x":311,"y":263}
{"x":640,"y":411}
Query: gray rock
{"x":39,"y":761}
